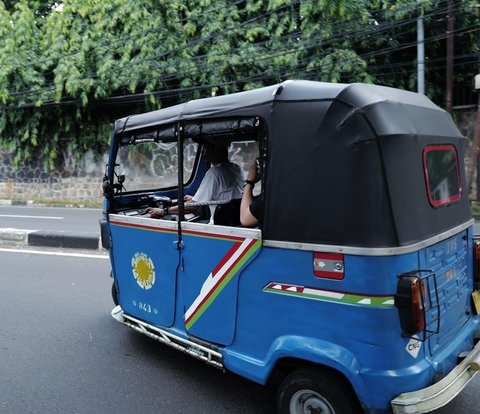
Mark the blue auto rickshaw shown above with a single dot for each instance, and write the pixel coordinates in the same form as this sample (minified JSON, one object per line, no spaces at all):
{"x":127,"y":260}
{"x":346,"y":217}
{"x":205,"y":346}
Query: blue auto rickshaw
{"x":358,"y":291}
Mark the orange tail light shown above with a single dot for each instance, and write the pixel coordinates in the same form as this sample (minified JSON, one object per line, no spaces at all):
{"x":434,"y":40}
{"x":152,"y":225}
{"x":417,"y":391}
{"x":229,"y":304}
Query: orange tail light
{"x":410,"y":301}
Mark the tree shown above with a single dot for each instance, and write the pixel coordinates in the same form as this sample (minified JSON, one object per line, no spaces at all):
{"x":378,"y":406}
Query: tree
{"x":68,"y":69}
{"x":21,"y":74}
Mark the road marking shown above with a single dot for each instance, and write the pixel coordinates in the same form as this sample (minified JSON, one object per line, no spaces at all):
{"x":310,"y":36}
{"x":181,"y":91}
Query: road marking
{"x":34,"y":217}
{"x":52,"y":253}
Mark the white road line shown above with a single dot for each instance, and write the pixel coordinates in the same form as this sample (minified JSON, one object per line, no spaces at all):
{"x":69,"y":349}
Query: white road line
{"x":34,"y":217}
{"x":52,"y":253}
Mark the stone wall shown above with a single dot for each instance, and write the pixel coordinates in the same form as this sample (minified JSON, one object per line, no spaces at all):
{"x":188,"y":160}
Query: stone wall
{"x":80,"y":181}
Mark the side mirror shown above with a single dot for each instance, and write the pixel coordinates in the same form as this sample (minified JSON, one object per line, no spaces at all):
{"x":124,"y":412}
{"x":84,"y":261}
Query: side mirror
{"x":107,"y":188}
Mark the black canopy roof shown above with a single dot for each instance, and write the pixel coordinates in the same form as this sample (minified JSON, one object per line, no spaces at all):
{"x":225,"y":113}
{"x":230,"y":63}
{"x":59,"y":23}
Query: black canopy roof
{"x":256,"y":102}
{"x":344,"y":161}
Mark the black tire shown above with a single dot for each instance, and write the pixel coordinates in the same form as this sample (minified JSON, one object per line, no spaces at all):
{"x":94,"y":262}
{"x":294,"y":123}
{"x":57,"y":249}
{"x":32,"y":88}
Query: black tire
{"x":114,"y":294}
{"x":316,"y":391}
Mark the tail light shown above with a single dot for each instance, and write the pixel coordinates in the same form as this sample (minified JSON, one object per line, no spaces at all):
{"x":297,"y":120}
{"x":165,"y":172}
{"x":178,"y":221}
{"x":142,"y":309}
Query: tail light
{"x":476,"y":263}
{"x":410,"y":301}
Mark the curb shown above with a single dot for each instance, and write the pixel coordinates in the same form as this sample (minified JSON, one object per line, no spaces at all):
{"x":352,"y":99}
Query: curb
{"x":16,"y":202}
{"x":42,"y":238}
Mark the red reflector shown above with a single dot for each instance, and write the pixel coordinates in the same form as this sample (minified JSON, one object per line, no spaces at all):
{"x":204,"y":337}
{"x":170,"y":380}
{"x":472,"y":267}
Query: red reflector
{"x":328,"y":265}
{"x":418,"y":305}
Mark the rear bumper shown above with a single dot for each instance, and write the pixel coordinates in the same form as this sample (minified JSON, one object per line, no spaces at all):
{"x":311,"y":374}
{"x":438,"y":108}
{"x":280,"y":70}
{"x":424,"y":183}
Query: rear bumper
{"x":440,"y":393}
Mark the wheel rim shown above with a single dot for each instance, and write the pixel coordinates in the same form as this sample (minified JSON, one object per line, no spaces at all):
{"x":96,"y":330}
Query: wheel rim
{"x":309,"y":402}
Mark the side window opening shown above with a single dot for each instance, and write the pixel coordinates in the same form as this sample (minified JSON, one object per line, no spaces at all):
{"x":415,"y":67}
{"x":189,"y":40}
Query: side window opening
{"x":146,"y":166}
{"x":244,"y":153}
{"x":442,"y":176}
{"x":153,"y":165}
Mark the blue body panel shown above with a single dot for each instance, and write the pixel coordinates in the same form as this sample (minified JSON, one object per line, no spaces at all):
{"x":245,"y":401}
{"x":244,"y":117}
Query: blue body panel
{"x":270,"y":305}
{"x":155,"y":304}
{"x":210,"y":273}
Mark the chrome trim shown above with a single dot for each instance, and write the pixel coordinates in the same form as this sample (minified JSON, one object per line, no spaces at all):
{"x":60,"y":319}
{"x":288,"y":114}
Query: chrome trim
{"x":212,"y":229}
{"x":217,"y":230}
{"x":441,"y":393}
{"x":210,"y":356}
{"x":257,"y":235}
{"x":369,"y":251}
{"x":144,"y":221}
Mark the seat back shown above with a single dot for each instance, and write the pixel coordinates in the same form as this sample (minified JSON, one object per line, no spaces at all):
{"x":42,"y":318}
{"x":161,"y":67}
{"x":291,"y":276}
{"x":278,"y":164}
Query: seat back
{"x":228,"y":214}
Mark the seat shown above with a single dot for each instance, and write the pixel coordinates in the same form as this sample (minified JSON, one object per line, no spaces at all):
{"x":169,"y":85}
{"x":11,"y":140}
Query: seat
{"x":228,"y":214}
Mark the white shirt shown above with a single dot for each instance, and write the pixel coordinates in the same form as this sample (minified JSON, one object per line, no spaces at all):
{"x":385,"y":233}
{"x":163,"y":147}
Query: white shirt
{"x":222,"y":182}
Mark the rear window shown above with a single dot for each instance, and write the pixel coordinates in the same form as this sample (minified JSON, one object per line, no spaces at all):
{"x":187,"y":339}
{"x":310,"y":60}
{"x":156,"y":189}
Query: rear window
{"x":441,"y":174}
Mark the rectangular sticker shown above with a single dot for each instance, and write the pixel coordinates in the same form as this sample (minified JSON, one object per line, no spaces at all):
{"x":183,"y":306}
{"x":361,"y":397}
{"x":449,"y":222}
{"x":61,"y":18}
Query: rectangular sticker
{"x":328,"y":265}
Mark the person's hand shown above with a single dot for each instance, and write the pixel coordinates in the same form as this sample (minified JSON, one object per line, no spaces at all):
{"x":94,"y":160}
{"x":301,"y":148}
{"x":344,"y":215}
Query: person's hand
{"x":253,"y":174}
{"x":155,"y":212}
{"x":188,"y":198}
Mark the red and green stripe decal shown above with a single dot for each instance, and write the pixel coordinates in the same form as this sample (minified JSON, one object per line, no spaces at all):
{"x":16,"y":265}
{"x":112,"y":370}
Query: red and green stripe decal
{"x":224,"y":272}
{"x":330,"y":295}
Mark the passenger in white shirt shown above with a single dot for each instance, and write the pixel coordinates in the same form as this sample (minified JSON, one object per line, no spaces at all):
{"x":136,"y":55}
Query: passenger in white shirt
{"x":222,"y":182}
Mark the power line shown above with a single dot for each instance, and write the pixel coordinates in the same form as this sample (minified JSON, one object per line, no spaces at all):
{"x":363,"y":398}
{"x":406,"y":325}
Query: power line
{"x":321,"y":42}
{"x":191,"y":43}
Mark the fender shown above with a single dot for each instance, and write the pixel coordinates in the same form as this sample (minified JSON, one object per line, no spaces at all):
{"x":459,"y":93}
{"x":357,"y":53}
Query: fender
{"x":311,"y":350}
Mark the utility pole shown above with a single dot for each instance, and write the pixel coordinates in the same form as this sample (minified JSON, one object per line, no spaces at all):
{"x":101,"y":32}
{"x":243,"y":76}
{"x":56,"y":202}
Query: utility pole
{"x":420,"y":51}
{"x":450,"y":46}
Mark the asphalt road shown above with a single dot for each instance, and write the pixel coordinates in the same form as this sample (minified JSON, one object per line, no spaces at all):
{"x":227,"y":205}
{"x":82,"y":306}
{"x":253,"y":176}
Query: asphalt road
{"x":78,"y":220}
{"x":61,"y":352}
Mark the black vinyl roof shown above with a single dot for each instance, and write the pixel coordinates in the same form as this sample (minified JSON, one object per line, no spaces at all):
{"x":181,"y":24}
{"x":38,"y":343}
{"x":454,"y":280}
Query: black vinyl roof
{"x":344,"y":161}
{"x":248,"y":103}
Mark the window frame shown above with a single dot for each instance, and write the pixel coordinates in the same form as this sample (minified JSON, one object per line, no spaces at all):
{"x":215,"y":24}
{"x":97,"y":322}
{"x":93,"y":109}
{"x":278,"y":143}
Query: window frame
{"x":452,"y":198}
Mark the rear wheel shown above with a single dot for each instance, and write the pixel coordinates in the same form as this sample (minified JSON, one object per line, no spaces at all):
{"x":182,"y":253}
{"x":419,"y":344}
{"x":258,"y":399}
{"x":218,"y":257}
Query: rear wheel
{"x":313,"y":391}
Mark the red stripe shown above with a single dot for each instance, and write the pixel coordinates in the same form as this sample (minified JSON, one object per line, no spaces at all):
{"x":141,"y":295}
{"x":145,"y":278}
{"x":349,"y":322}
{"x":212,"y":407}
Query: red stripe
{"x":225,"y":258}
{"x":329,"y":256}
{"x":329,"y":275}
{"x":186,"y":232}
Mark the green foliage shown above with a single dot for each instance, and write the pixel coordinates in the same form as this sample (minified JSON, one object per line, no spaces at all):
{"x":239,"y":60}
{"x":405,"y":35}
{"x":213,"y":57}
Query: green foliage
{"x":69,"y":69}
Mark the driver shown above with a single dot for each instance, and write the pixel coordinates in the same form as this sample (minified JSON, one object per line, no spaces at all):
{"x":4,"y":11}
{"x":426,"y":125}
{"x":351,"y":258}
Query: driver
{"x":222,"y":182}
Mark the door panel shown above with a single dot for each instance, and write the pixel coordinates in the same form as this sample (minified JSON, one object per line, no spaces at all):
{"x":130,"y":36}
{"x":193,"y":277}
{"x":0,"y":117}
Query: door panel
{"x":145,"y":258}
{"x":214,"y":259}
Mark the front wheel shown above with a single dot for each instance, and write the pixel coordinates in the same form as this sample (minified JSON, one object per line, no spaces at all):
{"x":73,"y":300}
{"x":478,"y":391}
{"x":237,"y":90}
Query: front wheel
{"x":314,"y":391}
{"x":114,"y":294}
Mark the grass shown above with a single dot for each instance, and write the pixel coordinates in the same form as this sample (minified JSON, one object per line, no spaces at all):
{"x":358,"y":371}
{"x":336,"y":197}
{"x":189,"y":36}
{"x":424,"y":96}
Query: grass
{"x":60,"y":203}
